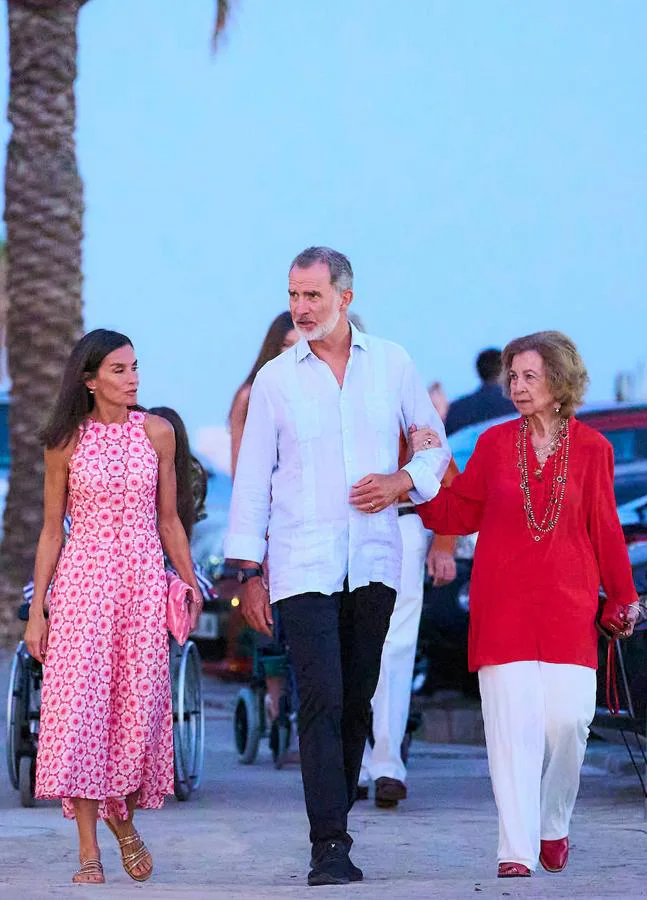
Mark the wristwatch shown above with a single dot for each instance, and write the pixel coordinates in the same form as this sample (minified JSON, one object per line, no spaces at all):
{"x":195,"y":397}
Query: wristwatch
{"x":248,"y":572}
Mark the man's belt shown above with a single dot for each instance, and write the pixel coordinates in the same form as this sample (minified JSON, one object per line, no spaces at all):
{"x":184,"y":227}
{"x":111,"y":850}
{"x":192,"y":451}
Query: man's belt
{"x":406,"y":510}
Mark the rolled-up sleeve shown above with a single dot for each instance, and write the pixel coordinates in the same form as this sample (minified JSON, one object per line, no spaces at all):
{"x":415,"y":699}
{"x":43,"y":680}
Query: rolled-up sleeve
{"x":250,"y":503}
{"x":427,"y":466}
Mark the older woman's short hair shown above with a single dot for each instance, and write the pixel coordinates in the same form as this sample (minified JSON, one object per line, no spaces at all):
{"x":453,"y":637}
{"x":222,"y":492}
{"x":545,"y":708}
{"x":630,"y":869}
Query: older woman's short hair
{"x":565,"y":369}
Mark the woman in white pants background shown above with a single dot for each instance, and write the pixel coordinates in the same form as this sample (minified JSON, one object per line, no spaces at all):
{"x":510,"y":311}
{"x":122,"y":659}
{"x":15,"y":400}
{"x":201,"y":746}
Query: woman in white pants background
{"x":539,"y":490}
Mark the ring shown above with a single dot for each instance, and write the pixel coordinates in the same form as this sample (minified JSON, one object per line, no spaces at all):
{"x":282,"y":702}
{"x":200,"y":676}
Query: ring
{"x":427,"y":443}
{"x":372,"y":505}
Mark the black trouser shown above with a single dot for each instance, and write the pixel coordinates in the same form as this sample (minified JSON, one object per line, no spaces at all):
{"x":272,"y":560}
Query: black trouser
{"x":335,"y":644}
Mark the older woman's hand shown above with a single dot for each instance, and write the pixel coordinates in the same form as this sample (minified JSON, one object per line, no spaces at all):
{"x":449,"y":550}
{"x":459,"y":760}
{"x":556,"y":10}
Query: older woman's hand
{"x":619,"y":621}
{"x":423,"y":439}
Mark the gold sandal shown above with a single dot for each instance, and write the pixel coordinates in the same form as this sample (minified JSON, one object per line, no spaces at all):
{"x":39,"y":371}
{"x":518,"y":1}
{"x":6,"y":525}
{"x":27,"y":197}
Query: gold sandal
{"x":137,"y":855}
{"x":90,"y":869}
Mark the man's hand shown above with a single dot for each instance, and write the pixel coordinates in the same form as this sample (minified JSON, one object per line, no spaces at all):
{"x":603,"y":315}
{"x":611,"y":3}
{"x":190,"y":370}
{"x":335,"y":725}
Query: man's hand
{"x":255,"y":606}
{"x":441,"y":567}
{"x":375,"y":492}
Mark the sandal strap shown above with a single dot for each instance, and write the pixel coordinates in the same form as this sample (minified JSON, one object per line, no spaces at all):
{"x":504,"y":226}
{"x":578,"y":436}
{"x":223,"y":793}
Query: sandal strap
{"x":89,"y":867}
{"x":88,"y":864}
{"x":129,"y":839}
{"x":133,"y":859}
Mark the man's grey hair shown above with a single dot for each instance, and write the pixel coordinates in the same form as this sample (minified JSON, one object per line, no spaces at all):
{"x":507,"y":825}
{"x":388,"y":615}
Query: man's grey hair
{"x":341,"y":271}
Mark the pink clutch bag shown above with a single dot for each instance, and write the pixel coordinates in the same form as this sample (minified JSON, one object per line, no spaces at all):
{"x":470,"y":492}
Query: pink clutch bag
{"x":177,"y":607}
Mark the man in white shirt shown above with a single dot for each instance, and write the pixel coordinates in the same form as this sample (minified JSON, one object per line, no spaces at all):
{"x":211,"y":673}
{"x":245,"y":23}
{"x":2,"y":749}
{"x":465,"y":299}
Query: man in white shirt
{"x":318,"y":471}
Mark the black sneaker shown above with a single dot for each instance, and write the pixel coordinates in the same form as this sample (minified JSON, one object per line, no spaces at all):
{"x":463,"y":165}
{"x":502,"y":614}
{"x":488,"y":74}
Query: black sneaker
{"x":331,"y":865}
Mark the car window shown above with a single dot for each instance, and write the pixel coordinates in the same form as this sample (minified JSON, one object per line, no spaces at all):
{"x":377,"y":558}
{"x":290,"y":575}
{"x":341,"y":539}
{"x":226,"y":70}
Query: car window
{"x":631,"y":487}
{"x":629,"y":444}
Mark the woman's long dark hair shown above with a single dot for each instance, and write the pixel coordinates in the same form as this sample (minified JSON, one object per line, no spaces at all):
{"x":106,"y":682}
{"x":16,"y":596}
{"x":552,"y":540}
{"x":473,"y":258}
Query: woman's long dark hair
{"x":185,"y":501}
{"x":270,"y":348}
{"x":75,"y":401}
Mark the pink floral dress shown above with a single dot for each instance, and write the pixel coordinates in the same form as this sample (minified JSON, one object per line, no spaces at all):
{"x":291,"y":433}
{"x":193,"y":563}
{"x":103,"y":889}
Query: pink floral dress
{"x":106,"y":727}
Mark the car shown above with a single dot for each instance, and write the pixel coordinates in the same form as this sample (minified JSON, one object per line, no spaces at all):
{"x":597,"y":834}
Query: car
{"x":442,"y":639}
{"x":207,"y":549}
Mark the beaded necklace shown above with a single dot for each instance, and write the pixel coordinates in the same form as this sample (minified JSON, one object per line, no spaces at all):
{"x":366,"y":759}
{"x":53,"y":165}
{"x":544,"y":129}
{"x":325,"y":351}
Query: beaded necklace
{"x":558,"y":486}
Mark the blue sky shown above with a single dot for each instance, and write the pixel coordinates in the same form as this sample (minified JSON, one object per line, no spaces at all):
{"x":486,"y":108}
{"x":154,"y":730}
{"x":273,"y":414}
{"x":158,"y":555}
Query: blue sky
{"x":482,"y":164}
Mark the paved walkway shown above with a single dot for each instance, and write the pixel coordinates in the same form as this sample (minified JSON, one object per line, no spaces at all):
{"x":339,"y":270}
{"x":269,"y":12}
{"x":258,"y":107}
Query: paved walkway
{"x":243,"y":835}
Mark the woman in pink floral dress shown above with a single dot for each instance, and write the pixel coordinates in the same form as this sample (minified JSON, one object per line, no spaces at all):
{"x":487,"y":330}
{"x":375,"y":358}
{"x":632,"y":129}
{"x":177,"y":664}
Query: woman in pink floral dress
{"x":106,"y":741}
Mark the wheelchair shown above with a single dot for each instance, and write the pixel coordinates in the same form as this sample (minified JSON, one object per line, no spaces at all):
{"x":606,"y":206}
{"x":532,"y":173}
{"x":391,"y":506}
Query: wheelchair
{"x":250,"y":715}
{"x":23,"y":717}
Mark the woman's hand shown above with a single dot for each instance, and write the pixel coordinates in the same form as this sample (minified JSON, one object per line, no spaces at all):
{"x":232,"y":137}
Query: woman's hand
{"x":36,"y":634}
{"x":619,"y":621}
{"x":195,"y":608}
{"x":423,"y":439}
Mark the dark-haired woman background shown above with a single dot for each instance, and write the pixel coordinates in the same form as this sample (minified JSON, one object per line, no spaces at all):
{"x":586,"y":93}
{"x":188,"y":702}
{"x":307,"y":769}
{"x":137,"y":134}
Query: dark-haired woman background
{"x":105,"y":742}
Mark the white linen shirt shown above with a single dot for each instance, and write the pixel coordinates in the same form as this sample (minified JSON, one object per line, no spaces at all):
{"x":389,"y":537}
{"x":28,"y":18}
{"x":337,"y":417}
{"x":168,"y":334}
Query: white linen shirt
{"x":306,"y":443}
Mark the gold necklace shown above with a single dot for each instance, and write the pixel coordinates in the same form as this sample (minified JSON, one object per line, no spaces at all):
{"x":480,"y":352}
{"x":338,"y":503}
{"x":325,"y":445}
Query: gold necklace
{"x":558,"y":487}
{"x":544,"y":451}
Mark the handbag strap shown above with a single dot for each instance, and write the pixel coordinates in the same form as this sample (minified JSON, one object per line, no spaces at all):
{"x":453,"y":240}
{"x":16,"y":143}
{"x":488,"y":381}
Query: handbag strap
{"x":613,"y":700}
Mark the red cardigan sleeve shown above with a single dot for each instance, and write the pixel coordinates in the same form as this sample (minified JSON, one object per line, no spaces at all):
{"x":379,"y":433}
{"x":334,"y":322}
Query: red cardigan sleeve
{"x":606,"y":534}
{"x":458,"y":508}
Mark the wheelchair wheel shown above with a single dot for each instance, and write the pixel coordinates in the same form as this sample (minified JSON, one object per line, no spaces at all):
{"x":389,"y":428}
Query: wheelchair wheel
{"x":247,"y":725}
{"x":17,"y":712}
{"x":27,"y":780}
{"x":188,"y":719}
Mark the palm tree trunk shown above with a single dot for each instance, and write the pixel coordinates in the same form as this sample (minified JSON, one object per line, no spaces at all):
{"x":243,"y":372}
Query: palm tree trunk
{"x":43,"y":214}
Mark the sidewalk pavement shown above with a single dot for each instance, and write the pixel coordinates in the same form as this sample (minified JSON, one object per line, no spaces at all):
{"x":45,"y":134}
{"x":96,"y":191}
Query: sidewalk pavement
{"x":243,"y":835}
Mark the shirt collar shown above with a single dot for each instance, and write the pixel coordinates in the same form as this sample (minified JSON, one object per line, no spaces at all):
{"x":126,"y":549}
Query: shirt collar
{"x":357,"y":339}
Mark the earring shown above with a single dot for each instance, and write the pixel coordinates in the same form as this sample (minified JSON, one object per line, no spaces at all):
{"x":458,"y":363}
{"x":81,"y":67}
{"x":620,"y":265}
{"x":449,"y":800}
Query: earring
{"x":91,"y":391}
{"x":558,"y":406}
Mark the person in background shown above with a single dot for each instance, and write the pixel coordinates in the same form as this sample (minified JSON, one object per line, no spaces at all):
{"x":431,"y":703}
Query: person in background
{"x":382,"y":763}
{"x":439,"y":398}
{"x":488,"y":402}
{"x":318,"y":469}
{"x":105,"y":743}
{"x":539,"y":490}
{"x":186,"y":505}
{"x":280,"y":335}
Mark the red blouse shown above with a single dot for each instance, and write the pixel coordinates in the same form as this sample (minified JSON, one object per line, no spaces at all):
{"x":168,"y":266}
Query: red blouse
{"x":534,"y":600}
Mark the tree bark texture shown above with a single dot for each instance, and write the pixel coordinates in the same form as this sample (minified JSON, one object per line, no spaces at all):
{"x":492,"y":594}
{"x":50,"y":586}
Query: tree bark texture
{"x":43,"y":214}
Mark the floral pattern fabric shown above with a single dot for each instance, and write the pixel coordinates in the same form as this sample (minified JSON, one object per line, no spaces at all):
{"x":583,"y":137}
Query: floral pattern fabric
{"x":106,"y":727}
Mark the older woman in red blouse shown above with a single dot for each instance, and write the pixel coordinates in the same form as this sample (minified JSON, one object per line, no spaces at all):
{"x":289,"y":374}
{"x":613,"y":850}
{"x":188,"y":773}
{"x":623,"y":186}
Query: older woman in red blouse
{"x":539,"y":490}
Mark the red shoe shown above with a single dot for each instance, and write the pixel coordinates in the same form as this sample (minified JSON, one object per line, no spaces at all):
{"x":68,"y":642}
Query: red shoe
{"x":513,"y":870}
{"x":554,"y":854}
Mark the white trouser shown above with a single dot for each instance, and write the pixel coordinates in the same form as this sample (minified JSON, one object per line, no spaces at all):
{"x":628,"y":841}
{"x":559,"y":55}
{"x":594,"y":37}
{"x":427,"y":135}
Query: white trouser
{"x":393,"y":693}
{"x":537,"y":718}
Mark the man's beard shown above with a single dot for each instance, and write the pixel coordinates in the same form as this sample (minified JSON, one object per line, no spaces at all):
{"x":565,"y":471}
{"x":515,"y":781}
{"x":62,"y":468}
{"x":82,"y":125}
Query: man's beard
{"x":322,"y":332}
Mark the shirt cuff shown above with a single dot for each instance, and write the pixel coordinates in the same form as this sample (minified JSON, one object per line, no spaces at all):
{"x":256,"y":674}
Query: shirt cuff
{"x":244,"y":546}
{"x":425,"y":483}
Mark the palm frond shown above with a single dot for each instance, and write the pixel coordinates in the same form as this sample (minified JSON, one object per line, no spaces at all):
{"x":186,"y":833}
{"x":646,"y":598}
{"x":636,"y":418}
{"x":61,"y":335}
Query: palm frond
{"x":223,"y":12}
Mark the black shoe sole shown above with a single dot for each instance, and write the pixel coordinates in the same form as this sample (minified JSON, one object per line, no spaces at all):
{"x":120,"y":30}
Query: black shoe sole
{"x":326,"y":879}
